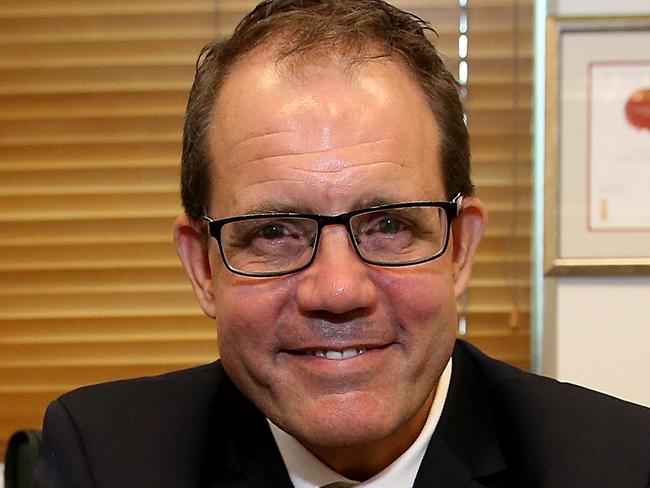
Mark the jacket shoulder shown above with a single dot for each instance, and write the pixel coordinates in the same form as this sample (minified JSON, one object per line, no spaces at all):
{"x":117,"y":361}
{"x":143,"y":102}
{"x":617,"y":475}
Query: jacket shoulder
{"x":563,"y":431}
{"x":148,"y":392}
{"x":546,"y":393}
{"x":152,"y":431}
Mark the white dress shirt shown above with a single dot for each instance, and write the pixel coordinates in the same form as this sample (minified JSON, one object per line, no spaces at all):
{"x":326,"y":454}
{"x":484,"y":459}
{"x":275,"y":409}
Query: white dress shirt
{"x":307,"y":471}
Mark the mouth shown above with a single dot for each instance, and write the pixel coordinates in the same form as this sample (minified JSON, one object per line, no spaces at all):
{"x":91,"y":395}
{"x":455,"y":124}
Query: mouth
{"x":336,"y":354}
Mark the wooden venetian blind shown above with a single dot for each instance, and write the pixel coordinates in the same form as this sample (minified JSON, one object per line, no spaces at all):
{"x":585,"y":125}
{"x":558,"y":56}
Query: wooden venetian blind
{"x":499,"y":94}
{"x":92,"y":96}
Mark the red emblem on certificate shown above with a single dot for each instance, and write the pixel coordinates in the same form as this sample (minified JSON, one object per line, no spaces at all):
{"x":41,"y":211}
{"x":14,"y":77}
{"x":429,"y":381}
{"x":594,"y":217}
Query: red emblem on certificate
{"x":637,"y":109}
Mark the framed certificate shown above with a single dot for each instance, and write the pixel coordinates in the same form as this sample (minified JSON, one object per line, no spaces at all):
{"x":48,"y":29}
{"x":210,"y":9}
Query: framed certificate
{"x":597,"y":215}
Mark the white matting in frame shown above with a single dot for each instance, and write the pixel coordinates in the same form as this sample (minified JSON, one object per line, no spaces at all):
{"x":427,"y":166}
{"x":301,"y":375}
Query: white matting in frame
{"x":598,"y":161}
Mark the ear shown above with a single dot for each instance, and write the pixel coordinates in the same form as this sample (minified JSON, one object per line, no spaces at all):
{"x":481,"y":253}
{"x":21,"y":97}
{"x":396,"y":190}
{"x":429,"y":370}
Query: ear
{"x":467,"y":230}
{"x":192,"y":249}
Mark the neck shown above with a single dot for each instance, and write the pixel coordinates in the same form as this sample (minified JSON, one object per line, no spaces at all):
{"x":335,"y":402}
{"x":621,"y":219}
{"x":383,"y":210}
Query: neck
{"x":362,"y":462}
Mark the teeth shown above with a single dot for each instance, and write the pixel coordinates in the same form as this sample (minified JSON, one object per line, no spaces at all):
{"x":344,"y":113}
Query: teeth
{"x":338,"y":355}
{"x":334,"y":355}
{"x":350,"y":353}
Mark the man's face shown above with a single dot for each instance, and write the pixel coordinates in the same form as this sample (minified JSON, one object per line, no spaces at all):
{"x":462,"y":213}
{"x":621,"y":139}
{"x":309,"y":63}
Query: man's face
{"x":329,"y":142}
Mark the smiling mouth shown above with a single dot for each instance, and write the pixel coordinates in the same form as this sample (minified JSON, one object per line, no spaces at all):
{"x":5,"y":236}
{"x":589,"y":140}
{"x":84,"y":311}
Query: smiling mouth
{"x":334,"y":354}
{"x":338,"y":355}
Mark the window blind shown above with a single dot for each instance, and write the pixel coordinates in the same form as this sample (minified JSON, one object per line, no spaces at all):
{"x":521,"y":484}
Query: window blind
{"x":92,"y":97}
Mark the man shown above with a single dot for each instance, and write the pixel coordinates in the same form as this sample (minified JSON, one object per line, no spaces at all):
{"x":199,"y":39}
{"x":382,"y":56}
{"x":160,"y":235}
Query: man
{"x":330,"y":226}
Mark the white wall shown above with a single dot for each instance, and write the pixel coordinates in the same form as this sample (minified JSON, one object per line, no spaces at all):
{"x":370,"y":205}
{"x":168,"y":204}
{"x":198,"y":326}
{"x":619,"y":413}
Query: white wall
{"x":603,"y":335}
{"x":597,"y":329}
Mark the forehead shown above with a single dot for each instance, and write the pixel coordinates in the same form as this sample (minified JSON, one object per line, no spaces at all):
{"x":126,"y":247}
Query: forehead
{"x":329,"y":131}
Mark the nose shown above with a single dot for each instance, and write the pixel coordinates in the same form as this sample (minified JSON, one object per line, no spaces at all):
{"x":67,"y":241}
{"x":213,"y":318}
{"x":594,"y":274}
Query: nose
{"x":338,"y":281}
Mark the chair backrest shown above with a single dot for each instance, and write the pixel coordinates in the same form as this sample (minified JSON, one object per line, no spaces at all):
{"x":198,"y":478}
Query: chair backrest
{"x":23,"y":452}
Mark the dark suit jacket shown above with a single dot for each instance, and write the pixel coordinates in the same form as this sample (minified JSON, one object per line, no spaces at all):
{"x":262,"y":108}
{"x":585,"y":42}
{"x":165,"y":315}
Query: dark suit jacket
{"x":500,"y":427}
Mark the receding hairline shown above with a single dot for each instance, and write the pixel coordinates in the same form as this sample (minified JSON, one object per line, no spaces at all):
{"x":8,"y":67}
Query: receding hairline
{"x":305,"y":69}
{"x":347,"y":57}
{"x":298,"y":67}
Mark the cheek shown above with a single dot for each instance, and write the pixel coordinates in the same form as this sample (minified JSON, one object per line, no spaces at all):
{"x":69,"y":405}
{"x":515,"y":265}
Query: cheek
{"x":244,"y":332}
{"x":425,"y":308}
{"x":422,"y":298}
{"x":246,"y":313}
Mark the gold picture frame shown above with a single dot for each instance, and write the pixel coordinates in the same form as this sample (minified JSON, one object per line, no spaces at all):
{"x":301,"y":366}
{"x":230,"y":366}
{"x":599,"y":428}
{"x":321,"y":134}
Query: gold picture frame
{"x":575,"y":48}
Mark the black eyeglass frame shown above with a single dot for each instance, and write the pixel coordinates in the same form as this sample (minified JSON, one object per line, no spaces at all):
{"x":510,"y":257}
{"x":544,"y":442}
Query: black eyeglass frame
{"x":452,"y":209}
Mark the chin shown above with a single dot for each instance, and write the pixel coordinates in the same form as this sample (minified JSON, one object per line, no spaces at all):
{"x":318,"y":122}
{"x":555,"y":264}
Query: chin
{"x":352,"y":434}
{"x":348,"y":421}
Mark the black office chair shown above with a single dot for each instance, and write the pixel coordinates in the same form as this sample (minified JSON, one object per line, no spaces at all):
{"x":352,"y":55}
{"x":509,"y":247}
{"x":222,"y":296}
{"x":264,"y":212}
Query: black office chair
{"x":23,"y":452}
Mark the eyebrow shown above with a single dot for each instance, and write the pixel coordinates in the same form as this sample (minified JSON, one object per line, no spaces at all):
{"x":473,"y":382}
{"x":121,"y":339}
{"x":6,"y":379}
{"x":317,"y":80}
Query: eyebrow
{"x":377,"y":201}
{"x":264,"y":208}
{"x":276,"y":207}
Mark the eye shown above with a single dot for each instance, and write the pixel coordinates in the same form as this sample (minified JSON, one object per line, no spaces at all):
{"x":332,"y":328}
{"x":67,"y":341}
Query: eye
{"x":390,"y":225}
{"x":274,"y":231}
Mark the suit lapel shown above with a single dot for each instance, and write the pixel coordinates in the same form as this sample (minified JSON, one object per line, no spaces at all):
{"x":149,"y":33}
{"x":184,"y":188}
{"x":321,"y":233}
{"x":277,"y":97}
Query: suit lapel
{"x":464,"y":450}
{"x":263,"y":465}
{"x":248,"y":453}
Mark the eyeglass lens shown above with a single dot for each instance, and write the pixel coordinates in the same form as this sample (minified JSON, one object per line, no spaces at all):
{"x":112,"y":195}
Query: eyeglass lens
{"x":399,"y":235}
{"x":281,"y":244}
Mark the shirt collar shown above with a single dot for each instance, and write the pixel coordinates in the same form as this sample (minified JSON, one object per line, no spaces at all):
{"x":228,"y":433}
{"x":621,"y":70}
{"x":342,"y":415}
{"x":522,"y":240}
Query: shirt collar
{"x":307,"y":471}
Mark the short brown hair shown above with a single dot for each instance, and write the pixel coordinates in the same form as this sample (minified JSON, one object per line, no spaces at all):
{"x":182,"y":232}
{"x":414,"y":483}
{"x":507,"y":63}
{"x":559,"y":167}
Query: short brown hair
{"x":357,"y":29}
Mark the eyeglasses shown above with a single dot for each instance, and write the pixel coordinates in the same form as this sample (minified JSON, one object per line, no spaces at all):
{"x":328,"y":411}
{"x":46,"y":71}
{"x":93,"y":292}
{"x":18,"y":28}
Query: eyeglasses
{"x":276,"y":244}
